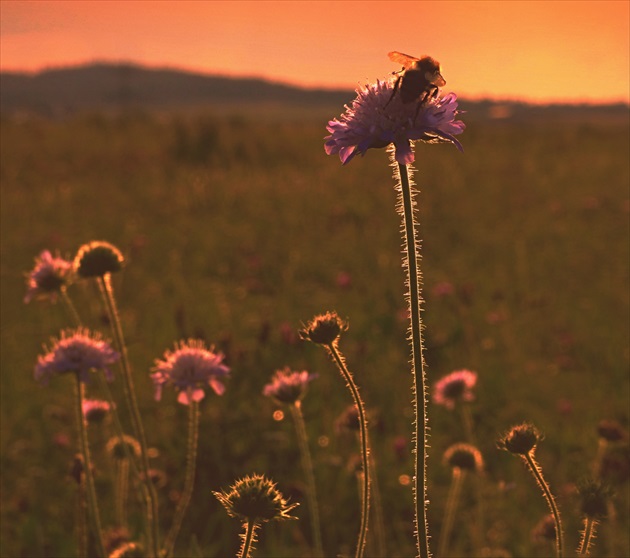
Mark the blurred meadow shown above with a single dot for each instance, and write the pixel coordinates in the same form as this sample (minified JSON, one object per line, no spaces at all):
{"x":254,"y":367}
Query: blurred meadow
{"x":237,"y":228}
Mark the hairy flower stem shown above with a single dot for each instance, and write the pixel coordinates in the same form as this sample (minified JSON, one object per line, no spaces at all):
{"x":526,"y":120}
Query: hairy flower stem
{"x":249,"y":538}
{"x":449,"y":513}
{"x":363,"y":432}
{"x":189,"y":482}
{"x":307,"y":466}
{"x":122,"y":491}
{"x":537,"y":472}
{"x":130,"y":396}
{"x":406,"y":209}
{"x":588,"y":535}
{"x":87,"y":467}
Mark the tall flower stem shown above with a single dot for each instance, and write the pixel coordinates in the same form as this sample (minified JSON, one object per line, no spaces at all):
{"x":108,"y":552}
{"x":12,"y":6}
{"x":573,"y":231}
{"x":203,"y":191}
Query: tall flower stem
{"x":588,"y":534}
{"x":363,"y":432}
{"x":536,"y":471}
{"x":87,"y":466}
{"x":107,"y":293}
{"x":249,"y":538}
{"x":449,"y":512}
{"x":189,"y":482}
{"x":307,"y":466}
{"x":406,"y":207}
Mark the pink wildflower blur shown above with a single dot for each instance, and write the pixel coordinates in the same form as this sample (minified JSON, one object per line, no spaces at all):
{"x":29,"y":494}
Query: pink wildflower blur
{"x":287,"y":386}
{"x":78,"y":351}
{"x":454,"y":387}
{"x":49,"y":276}
{"x":189,"y":369}
{"x":373,"y":121}
{"x":95,"y":410}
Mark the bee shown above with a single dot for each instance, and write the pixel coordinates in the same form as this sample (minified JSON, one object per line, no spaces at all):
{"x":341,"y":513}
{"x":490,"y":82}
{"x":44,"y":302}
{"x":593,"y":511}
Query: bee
{"x":418,"y":80}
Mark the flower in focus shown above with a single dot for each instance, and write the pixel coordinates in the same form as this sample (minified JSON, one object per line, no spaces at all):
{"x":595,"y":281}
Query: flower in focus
{"x":287,"y":386}
{"x":49,"y":276}
{"x":255,"y":498}
{"x":95,"y":410}
{"x":189,"y":368}
{"x":454,"y":387}
{"x":376,"y":119}
{"x":97,"y":258}
{"x":520,"y":439}
{"x":324,"y":329}
{"x":77,"y":351}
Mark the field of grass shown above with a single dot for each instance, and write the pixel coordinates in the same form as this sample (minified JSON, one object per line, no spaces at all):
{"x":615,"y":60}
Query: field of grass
{"x":237,"y":229}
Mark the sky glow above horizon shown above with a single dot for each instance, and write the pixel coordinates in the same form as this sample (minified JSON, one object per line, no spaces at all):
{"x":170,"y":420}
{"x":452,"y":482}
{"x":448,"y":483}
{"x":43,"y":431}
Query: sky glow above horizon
{"x":551,"y":51}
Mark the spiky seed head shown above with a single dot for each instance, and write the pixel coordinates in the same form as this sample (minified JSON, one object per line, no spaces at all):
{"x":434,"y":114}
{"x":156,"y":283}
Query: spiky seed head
{"x":611,"y":430}
{"x":594,"y":498}
{"x":520,"y":439}
{"x":255,"y":498}
{"x":324,"y":329}
{"x":97,"y":258}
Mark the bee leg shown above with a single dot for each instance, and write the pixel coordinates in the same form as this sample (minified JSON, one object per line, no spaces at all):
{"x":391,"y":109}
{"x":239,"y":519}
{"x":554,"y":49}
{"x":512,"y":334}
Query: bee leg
{"x":396,"y":86}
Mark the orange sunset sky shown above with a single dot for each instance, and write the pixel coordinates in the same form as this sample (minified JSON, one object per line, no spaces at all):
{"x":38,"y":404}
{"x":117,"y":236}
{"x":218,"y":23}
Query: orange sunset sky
{"x":532,"y":50}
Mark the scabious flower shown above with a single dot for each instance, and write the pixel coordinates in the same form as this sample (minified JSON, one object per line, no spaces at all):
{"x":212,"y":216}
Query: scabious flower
{"x":48,"y":278}
{"x":324,"y":329}
{"x":189,"y":368}
{"x":97,"y":258}
{"x":465,"y":457}
{"x":520,"y":439}
{"x":95,"y":410}
{"x":288,"y":386}
{"x":255,"y":498}
{"x":454,"y":387}
{"x":78,"y":351}
{"x":376,"y":119}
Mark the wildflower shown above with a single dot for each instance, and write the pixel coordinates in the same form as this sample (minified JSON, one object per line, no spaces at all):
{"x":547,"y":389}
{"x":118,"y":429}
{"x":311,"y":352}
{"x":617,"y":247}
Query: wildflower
{"x":456,"y":386}
{"x":255,"y":498}
{"x":77,"y":351}
{"x":521,"y":439}
{"x":48,"y":278}
{"x":465,"y":457}
{"x":95,"y":410}
{"x":594,"y":498}
{"x":97,"y":259}
{"x":189,"y":368}
{"x":287,"y":386}
{"x":324,"y":329}
{"x":611,"y":431}
{"x":376,"y":119}
{"x":119,"y":448}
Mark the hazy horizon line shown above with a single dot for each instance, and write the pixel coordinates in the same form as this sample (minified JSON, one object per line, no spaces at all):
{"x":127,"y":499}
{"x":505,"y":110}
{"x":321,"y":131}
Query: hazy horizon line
{"x":288,"y":83}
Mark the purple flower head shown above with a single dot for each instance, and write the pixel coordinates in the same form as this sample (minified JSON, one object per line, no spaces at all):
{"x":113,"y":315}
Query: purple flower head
{"x":376,"y":119}
{"x":78,"y":351}
{"x":454,"y":387}
{"x":49,"y":276}
{"x":287,"y":386}
{"x":189,"y":368}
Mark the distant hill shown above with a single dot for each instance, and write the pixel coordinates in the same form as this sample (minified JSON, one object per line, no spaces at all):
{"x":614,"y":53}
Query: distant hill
{"x":98,"y":86}
{"x":104,"y":86}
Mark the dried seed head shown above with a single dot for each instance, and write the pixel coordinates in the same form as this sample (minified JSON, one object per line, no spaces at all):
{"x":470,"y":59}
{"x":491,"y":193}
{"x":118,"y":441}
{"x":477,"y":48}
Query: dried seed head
{"x":116,"y":447}
{"x":255,"y":498}
{"x":324,"y":329}
{"x":520,"y":439}
{"x":594,"y":498}
{"x":96,"y":259}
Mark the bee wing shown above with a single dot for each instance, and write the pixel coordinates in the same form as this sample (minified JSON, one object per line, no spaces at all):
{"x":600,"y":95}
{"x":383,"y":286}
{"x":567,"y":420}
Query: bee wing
{"x":404,"y":60}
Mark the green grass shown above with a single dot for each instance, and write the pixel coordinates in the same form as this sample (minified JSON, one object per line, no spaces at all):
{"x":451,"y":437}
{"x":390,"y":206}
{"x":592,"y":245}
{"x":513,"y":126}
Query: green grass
{"x":235,"y":230}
